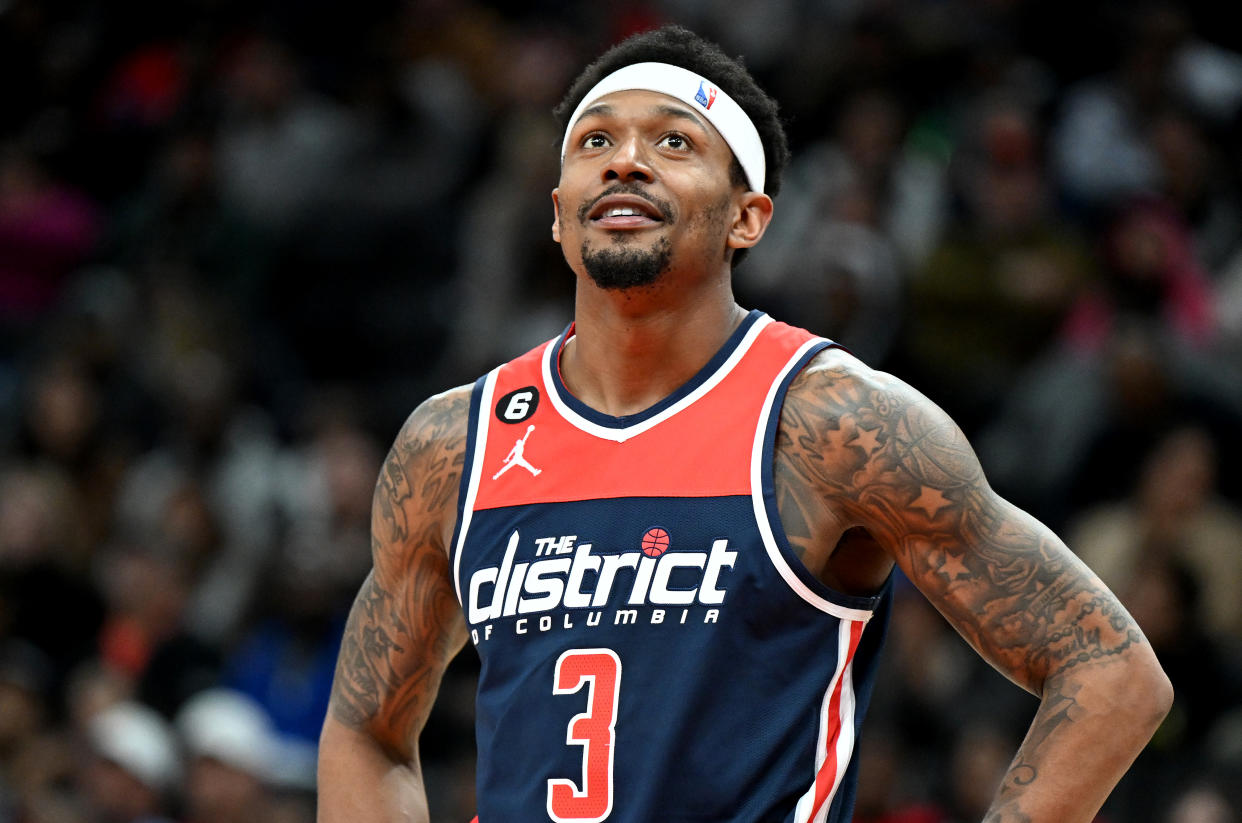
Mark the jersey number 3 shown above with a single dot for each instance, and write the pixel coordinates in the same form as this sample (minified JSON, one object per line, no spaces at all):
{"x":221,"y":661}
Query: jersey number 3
{"x":593,"y":730}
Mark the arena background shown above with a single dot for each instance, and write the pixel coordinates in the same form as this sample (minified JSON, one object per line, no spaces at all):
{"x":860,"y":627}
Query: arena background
{"x":240,"y":241}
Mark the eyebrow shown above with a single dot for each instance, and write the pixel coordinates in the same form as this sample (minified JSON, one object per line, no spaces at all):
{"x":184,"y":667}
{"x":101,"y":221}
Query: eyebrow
{"x":681,"y":114}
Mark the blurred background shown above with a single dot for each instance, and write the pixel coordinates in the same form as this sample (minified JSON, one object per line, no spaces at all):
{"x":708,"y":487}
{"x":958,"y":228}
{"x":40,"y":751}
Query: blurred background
{"x":241,"y":241}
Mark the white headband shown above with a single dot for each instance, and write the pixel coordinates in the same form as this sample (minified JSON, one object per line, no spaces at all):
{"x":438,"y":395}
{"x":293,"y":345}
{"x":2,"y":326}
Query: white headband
{"x":719,"y":108}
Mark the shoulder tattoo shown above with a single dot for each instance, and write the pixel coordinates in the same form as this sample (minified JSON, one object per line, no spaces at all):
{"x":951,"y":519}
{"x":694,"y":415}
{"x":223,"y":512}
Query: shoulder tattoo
{"x":886,"y":458}
{"x":405,"y":624}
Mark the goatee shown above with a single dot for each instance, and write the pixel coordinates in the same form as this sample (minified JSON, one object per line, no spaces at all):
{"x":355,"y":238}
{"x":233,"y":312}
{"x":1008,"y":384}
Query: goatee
{"x":623,"y":267}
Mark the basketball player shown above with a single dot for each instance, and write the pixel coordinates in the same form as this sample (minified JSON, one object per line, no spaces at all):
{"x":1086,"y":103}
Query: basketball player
{"x":679,"y":598}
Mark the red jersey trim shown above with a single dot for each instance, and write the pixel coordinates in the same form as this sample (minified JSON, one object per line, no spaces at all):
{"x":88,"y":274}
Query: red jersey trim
{"x":836,"y":732}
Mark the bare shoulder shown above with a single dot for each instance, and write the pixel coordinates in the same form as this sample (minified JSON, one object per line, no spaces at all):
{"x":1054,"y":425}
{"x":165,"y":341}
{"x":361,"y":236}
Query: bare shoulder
{"x":419,"y":480}
{"x":878,"y":450}
{"x":440,"y":420}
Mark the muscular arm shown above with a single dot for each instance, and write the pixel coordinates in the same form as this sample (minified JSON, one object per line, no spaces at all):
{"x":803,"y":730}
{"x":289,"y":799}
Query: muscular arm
{"x":861,"y":449}
{"x":404,"y":628}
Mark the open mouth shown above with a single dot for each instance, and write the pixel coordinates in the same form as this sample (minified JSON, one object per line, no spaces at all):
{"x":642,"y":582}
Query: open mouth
{"x":624,"y":212}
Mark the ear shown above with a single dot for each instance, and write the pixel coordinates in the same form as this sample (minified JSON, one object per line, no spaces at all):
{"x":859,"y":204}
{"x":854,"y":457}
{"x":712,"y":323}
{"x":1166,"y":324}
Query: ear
{"x":556,"y":215}
{"x":751,"y":222}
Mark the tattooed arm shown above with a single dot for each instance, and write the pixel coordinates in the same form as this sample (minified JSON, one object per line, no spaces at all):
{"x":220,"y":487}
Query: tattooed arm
{"x":859,"y":450}
{"x":404,"y":627}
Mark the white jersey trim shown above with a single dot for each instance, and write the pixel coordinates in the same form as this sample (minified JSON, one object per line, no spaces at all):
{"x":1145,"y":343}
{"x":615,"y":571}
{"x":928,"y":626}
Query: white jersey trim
{"x":843,"y":743}
{"x":620,"y":435}
{"x":764,"y":518}
{"x":476,"y":471}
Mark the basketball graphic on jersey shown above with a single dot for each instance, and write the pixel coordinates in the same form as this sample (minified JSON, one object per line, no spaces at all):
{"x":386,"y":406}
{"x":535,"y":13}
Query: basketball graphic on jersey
{"x":655,"y":542}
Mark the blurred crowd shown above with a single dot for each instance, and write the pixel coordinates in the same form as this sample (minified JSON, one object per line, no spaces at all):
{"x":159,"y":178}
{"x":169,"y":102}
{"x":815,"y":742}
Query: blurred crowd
{"x":241,"y":241}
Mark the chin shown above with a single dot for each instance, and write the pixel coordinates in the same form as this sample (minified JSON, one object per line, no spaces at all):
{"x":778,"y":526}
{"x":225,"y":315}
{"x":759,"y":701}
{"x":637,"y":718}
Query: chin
{"x":626,"y":267}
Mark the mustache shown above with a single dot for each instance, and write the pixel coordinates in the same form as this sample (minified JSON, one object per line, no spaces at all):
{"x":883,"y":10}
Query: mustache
{"x":663,"y":207}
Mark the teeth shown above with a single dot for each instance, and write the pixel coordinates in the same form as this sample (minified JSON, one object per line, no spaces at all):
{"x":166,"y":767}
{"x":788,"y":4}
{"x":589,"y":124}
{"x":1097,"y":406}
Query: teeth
{"x":621,"y":211}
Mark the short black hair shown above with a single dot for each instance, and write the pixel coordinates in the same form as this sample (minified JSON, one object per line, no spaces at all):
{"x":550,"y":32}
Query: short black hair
{"x":682,"y":47}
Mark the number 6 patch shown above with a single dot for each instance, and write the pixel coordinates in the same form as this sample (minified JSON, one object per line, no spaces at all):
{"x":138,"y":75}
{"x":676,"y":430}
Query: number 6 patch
{"x":517,"y":405}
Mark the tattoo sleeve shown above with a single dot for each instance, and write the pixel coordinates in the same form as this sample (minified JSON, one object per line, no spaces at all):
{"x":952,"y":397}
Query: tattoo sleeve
{"x":885,"y":458}
{"x":860,"y":449}
{"x":405,"y":624}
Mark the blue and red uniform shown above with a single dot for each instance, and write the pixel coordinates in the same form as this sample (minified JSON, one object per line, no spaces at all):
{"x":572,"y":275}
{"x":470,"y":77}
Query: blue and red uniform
{"x":651,"y":647}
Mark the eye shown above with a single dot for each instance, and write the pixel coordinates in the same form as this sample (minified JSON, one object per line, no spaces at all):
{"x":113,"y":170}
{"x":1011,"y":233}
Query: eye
{"x":595,"y":140}
{"x":675,"y":141}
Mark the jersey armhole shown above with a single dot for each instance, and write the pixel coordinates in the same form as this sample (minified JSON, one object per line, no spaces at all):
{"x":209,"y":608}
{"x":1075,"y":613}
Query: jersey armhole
{"x":767,"y":514}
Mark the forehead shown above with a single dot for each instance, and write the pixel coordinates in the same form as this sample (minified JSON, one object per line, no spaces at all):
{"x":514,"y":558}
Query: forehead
{"x":641,"y":104}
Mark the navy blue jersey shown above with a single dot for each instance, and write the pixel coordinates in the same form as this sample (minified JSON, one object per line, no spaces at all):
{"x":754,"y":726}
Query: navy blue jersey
{"x":652,"y":649}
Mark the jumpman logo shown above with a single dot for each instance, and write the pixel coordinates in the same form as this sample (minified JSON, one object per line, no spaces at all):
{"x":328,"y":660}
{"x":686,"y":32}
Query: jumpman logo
{"x":515,"y":457}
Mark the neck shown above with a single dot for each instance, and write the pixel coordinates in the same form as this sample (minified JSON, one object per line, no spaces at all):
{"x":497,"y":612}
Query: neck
{"x":632,"y":349}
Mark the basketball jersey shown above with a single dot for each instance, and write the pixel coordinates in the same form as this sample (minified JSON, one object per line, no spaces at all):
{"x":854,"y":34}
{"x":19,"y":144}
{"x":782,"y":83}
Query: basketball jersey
{"x":651,"y":647}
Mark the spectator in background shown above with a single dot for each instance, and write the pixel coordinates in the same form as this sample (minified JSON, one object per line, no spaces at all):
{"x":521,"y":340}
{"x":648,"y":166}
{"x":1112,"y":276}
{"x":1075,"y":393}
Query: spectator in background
{"x":1204,"y":803}
{"x":287,"y":658}
{"x":869,"y":171}
{"x":1175,"y":507}
{"x":1101,"y":149}
{"x":47,"y":228}
{"x":145,"y":637}
{"x":190,"y":517}
{"x":178,"y":219}
{"x":35,"y":506}
{"x":508,"y":278}
{"x":1195,"y":181}
{"x":44,"y":599}
{"x":1166,"y":595}
{"x":860,"y":208}
{"x":63,"y":432}
{"x":91,"y":687}
{"x":847,"y":284}
{"x":234,"y":761}
{"x":1142,"y":126}
{"x":279,"y":142}
{"x":505,"y":281}
{"x":1150,"y":271}
{"x":1077,"y":427}
{"x":133,"y":768}
{"x":208,"y":487}
{"x":1166,"y":599}
{"x":994,"y":294}
{"x":1151,"y":386}
{"x":25,"y":683}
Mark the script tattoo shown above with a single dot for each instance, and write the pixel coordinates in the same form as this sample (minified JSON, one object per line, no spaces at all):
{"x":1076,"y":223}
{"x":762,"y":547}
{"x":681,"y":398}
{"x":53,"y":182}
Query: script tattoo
{"x":405,"y":624}
{"x":866,"y":450}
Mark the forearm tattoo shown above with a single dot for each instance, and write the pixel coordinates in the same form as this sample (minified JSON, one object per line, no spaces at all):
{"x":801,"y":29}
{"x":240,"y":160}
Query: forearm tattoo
{"x":405,"y":623}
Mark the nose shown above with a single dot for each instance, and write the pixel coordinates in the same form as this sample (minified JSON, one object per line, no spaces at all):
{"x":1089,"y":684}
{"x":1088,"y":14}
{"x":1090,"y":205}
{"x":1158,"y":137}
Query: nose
{"x":629,"y":163}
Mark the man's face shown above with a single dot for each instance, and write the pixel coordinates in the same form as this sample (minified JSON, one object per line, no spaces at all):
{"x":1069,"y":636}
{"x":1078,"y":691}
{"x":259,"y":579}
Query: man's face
{"x":645,"y":189}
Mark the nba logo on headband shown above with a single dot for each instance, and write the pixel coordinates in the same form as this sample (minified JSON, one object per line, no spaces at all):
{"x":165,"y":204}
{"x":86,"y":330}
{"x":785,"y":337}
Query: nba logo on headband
{"x":705,"y":98}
